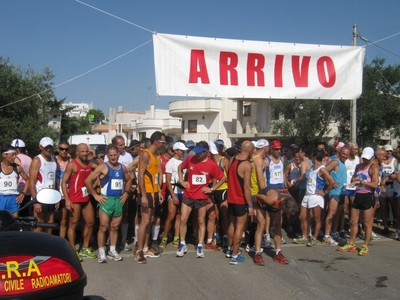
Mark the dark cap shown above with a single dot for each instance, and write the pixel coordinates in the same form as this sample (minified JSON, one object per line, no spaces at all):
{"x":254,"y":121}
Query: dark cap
{"x":133,"y":144}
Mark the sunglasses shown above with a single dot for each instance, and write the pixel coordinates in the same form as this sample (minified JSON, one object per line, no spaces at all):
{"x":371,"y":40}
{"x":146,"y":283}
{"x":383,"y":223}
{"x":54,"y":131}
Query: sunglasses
{"x":277,"y":149}
{"x":62,"y":149}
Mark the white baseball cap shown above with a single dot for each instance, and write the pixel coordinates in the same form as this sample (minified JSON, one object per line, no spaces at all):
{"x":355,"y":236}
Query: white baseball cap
{"x":261,"y":143}
{"x":17,"y":143}
{"x":368,"y":153}
{"x":213,"y":149}
{"x":46,"y":141}
{"x":180,"y":146}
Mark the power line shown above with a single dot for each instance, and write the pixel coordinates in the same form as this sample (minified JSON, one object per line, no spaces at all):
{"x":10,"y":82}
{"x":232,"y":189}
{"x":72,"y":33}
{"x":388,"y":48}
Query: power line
{"x":114,"y":16}
{"x":375,"y":43}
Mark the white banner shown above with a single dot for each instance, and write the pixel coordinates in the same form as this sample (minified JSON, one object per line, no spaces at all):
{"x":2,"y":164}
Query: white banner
{"x":211,"y":67}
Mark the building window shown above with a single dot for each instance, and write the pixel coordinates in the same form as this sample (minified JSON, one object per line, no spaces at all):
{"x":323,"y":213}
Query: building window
{"x":247,"y":110}
{"x":183,"y":126}
{"x":142,"y":135}
{"x":192,"y":126}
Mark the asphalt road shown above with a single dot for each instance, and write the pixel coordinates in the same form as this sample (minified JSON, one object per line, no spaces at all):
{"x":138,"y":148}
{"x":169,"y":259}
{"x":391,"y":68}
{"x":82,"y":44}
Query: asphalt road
{"x":320,"y":272}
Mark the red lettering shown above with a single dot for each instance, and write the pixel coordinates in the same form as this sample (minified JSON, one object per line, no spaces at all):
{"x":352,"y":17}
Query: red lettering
{"x":278,"y":70}
{"x":326,"y":71}
{"x":228,"y":62}
{"x":198,"y":67}
{"x":255,"y":64}
{"x":300,"y":74}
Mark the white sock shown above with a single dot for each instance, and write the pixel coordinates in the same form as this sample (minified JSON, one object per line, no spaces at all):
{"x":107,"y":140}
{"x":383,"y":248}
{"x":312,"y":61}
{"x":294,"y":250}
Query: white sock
{"x":155,"y":232}
{"x":136,"y":230}
{"x":277,"y":251}
{"x":209,"y":241}
{"x":112,"y":248}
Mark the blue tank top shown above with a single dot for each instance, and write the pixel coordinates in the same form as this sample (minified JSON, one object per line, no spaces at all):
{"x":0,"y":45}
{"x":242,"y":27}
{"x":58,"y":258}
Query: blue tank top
{"x":303,"y":184}
{"x":340,"y":177}
{"x":113,"y":183}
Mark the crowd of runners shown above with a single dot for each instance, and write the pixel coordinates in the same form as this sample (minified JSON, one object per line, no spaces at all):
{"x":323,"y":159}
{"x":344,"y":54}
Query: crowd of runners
{"x":161,"y":193}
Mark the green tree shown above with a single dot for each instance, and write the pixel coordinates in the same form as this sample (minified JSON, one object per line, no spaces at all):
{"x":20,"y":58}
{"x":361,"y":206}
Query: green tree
{"x":26,"y":100}
{"x":97,"y":114}
{"x":302,"y":121}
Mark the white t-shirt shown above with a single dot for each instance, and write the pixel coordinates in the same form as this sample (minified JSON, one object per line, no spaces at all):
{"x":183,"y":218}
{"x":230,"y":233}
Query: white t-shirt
{"x":350,"y":168}
{"x":172,"y":168}
{"x":124,"y":158}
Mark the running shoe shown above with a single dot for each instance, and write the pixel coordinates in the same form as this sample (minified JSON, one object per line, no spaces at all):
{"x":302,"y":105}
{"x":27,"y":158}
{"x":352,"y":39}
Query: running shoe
{"x":375,"y":237}
{"x":329,"y":241}
{"x":347,"y":248}
{"x":301,"y":240}
{"x":212,"y":246}
{"x":79,"y":257}
{"x":265,"y":244}
{"x":280,"y":258}
{"x":364,"y":251}
{"x":252,"y":249}
{"x":141,"y":259}
{"x":237,"y":260}
{"x":151,"y":253}
{"x":127,"y":247}
{"x":163,"y":244}
{"x":283,"y":241}
{"x":200,"y":252}
{"x":267,"y":238}
{"x":182,"y":249}
{"x":312,"y":242}
{"x":339,"y":238}
{"x":175,"y":244}
{"x":258,"y":259}
{"x":395,"y":235}
{"x":102,"y":257}
{"x":114,"y":255}
{"x":228,"y":253}
{"x":87,"y":252}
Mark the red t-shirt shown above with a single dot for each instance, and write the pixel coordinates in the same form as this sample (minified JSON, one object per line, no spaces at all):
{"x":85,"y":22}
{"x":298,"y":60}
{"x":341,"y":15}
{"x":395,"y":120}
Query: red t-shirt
{"x":200,"y":174}
{"x":77,"y":189}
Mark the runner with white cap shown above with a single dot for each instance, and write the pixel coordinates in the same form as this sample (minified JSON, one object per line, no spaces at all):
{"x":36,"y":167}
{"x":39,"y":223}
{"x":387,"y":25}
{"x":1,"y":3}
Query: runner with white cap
{"x":42,"y":174}
{"x":10,"y":198}
{"x":25,"y":162}
{"x":366,"y":180}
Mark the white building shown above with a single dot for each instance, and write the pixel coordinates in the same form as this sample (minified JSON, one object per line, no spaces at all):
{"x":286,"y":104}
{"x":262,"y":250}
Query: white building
{"x":138,"y":125}
{"x":79,"y":110}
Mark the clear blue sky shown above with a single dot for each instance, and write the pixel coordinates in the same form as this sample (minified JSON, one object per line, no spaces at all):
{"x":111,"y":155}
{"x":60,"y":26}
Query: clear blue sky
{"x":71,"y":38}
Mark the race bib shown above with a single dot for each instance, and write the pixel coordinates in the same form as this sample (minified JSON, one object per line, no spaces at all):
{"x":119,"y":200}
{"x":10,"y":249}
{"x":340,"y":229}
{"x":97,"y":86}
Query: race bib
{"x":6,"y":185}
{"x":277,"y":173}
{"x":84,"y":192}
{"x":116,"y":184}
{"x":164,"y":178}
{"x":199,"y":179}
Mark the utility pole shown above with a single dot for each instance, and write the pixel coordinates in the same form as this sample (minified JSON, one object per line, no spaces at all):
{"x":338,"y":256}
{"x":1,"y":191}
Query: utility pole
{"x":353,"y":116}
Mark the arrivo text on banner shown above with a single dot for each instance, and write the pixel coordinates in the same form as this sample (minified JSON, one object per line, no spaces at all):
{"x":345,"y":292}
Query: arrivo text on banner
{"x":208,"y":67}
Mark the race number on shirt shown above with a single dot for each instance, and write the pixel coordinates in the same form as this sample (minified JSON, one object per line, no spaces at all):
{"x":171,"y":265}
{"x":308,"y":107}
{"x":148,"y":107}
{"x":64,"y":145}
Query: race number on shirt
{"x":84,"y":192}
{"x":6,"y":185}
{"x":199,"y":179}
{"x":116,"y":184}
